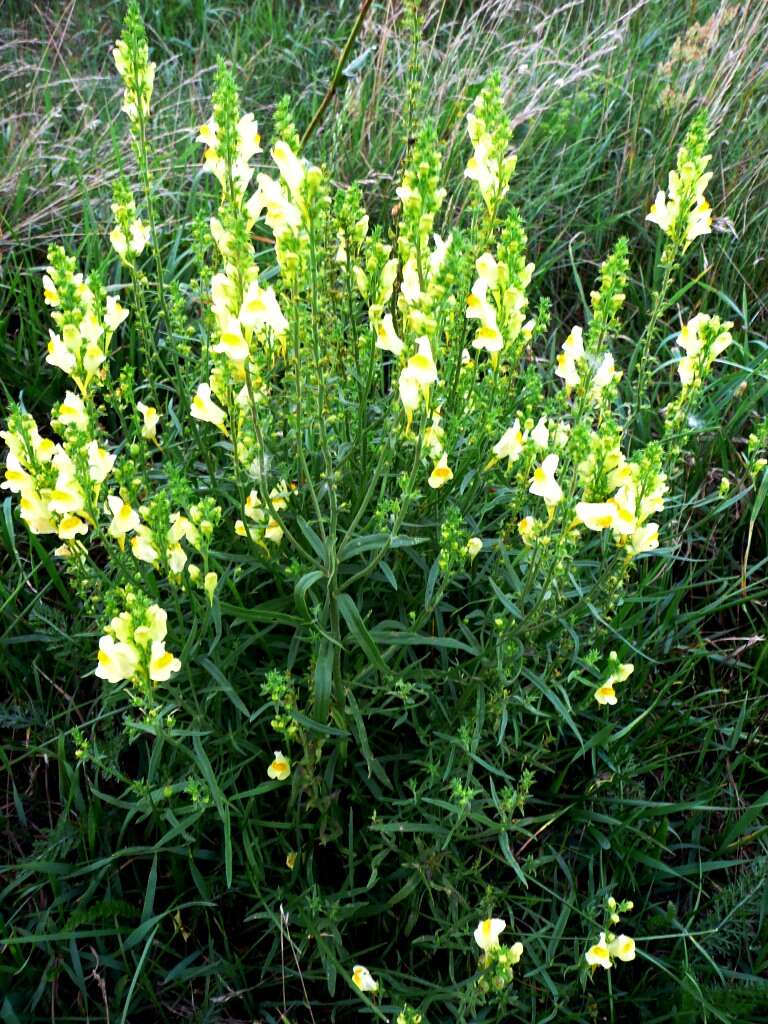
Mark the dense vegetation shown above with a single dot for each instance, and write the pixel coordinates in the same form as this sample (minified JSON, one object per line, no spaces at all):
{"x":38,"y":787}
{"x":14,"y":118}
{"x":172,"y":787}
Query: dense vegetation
{"x":386,"y":708}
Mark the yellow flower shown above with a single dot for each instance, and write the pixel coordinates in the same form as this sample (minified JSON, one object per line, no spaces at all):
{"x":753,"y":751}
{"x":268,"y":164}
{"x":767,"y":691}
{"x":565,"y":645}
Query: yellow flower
{"x":488,"y":931}
{"x":231,"y":341}
{"x":516,"y":951}
{"x":162,"y":664}
{"x":280,"y":767}
{"x":72,"y":411}
{"x":644,"y":538}
{"x":421,"y":366}
{"x":282,"y":215}
{"x":177,"y":558}
{"x":124,"y":518}
{"x":543,"y":484}
{"x":59,"y":355}
{"x":142,"y":545}
{"x":599,"y":954}
{"x":274,"y":531}
{"x":50,"y":294}
{"x":100,"y":462}
{"x":17,"y":479}
{"x":606,"y":694}
{"x":70,"y":527}
{"x":511,"y":444}
{"x":115,"y":313}
{"x":209,"y":584}
{"x":290,"y":860}
{"x":566,"y":370}
{"x":622,"y":948}
{"x":260,"y":308}
{"x":386,"y":336}
{"x":34,"y":511}
{"x":660,"y":213}
{"x":474,"y":547}
{"x":526,"y":528}
{"x":292,"y":168}
{"x":540,"y":433}
{"x":116,"y":661}
{"x":151,"y":419}
{"x":204,"y":408}
{"x":441,"y":474}
{"x":596,"y":515}
{"x":573,"y":346}
{"x":363,"y":979}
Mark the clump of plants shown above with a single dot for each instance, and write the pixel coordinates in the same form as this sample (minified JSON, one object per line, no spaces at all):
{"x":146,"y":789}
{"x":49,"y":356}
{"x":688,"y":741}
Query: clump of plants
{"x":348,"y":528}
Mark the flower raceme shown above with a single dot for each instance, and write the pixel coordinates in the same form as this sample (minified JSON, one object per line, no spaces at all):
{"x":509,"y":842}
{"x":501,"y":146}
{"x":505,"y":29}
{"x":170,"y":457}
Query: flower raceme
{"x":133,"y":649}
{"x":681,"y":212}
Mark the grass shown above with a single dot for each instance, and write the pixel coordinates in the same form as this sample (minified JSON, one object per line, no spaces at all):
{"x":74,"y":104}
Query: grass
{"x":125,"y":904}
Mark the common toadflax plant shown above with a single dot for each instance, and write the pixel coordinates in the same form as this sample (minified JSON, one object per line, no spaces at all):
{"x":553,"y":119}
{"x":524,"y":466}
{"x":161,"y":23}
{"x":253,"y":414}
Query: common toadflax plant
{"x":352,"y":473}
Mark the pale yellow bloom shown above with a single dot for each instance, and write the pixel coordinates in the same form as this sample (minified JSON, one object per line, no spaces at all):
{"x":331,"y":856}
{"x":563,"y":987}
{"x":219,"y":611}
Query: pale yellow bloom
{"x":622,"y":948}
{"x":566,"y":370}
{"x":72,"y":411}
{"x":526,"y":528}
{"x":50,"y":294}
{"x":124,"y":518}
{"x":209,"y":584}
{"x":660,"y":213}
{"x":204,"y":408}
{"x":540,"y":433}
{"x":386,"y":336}
{"x":274,"y":531}
{"x":644,"y":538}
{"x":511,"y":443}
{"x":599,"y":954}
{"x":143,"y":547}
{"x":596,"y":515}
{"x":100,"y":462}
{"x":474,"y":547}
{"x":162,"y":664}
{"x":488,"y":931}
{"x":605,"y":693}
{"x":116,"y":660}
{"x":441,"y":474}
{"x":231,"y":341}
{"x":292,"y":168}
{"x":35,"y":513}
{"x":59,"y":354}
{"x":70,"y":527}
{"x":363,"y":979}
{"x":260,"y":308}
{"x":114,"y":314}
{"x":151,"y":419}
{"x":544,"y":485}
{"x":280,"y":768}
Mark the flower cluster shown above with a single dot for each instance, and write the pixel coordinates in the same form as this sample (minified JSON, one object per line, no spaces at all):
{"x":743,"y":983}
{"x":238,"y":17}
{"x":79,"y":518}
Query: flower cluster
{"x":618,"y":672}
{"x":638,"y":493}
{"x":85,"y":321}
{"x":497,"y":961}
{"x":58,"y":484}
{"x":682,"y":212}
{"x":129,"y":236}
{"x":264,"y":516}
{"x":491,"y":165}
{"x":703,"y":338}
{"x":610,"y":947}
{"x":131,"y":56}
{"x":498,"y":298}
{"x":133,"y":649}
